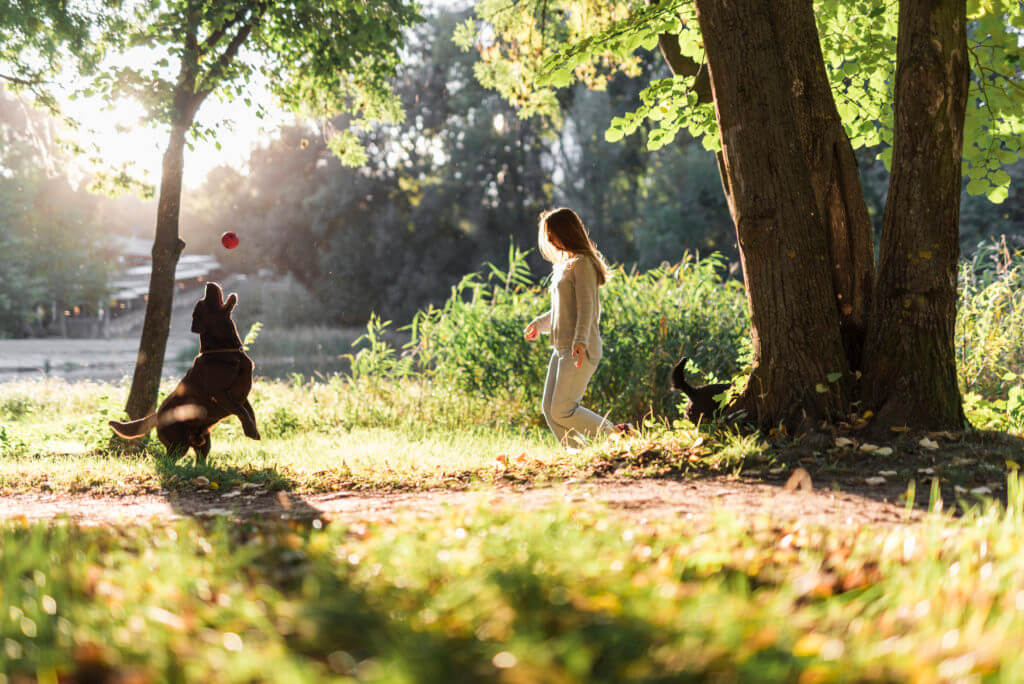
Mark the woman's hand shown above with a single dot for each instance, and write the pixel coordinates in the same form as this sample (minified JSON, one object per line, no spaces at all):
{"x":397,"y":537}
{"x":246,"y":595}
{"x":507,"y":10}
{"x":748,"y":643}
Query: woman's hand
{"x":579,"y":352}
{"x":531,"y":332}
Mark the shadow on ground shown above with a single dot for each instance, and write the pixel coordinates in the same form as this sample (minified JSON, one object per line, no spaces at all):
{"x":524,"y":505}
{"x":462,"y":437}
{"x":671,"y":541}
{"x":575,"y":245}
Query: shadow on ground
{"x":962,"y":469}
{"x":212,"y":489}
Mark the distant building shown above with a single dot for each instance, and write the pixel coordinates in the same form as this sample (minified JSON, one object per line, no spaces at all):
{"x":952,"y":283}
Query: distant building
{"x":129,"y":288}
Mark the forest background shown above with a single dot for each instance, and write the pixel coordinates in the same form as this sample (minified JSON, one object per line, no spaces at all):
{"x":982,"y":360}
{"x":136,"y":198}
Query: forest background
{"x":440,"y":194}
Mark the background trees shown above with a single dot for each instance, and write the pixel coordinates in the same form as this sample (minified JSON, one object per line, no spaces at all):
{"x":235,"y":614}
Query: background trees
{"x":789,"y":101}
{"x":333,"y":56}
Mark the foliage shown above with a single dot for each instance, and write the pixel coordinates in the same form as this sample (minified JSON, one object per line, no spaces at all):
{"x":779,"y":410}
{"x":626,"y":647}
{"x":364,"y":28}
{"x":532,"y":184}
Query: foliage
{"x":858,"y":40}
{"x":37,"y":37}
{"x":475,"y":340}
{"x":324,"y":58}
{"x":44,"y":221}
{"x":990,"y":337}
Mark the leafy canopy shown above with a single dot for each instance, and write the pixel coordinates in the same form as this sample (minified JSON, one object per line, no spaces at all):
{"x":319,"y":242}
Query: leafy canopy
{"x":529,"y":50}
{"x":38,"y":37}
{"x":317,"y":57}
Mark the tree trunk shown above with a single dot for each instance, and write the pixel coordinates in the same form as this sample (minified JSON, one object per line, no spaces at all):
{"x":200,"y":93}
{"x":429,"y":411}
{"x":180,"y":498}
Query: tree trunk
{"x":910,"y":374}
{"x":835,"y":179}
{"x":167,"y":247}
{"x":783,"y":237}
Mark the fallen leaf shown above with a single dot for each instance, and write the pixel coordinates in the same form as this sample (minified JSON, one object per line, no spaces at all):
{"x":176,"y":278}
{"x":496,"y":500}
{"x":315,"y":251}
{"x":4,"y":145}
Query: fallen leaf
{"x":928,"y":443}
{"x":883,"y":451}
{"x":868,"y":447}
{"x":800,"y":479}
{"x":202,"y":481}
{"x":899,"y":428}
{"x":231,"y":495}
{"x":697,"y":442}
{"x":874,"y":481}
{"x":887,"y":473}
{"x":981,"y":491}
{"x":844,"y":441}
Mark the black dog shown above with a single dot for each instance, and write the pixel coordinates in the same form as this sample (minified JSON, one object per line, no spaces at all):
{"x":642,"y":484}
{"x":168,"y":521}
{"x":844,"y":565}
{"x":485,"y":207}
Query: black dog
{"x":702,"y":405}
{"x":215,"y":387}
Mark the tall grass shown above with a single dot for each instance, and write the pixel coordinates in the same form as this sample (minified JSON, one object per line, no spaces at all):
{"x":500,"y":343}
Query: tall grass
{"x":475,"y":342}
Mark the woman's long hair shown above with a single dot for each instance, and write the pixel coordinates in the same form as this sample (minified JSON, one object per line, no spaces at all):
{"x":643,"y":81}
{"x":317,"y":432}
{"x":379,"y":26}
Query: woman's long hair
{"x":561,"y":235}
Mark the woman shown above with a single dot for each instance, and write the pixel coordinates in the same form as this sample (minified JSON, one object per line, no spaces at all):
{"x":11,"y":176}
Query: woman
{"x":574,"y":325}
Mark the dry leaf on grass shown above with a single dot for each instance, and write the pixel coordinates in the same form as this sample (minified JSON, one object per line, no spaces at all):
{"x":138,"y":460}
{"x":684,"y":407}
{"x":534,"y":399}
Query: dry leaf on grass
{"x":800,"y":479}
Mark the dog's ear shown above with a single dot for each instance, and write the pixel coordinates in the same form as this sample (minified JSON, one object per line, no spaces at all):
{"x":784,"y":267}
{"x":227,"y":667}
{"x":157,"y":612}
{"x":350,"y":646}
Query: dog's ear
{"x":229,"y":304}
{"x":214,"y":295}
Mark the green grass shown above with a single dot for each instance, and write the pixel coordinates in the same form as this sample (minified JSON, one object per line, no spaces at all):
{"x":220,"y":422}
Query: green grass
{"x":567,"y":594}
{"x":317,"y":436}
{"x":561,"y":595}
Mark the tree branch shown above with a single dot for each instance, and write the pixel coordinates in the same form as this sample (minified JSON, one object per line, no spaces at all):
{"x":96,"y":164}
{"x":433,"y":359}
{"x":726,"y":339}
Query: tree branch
{"x":21,"y":81}
{"x":214,"y":38}
{"x":209,"y":82}
{"x":684,"y":66}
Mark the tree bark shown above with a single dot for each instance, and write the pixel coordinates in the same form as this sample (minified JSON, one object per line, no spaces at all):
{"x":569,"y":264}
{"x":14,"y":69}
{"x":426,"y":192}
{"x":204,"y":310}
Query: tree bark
{"x":910,"y":376}
{"x":835,"y":179}
{"x":783,"y":236}
{"x":167,"y":247}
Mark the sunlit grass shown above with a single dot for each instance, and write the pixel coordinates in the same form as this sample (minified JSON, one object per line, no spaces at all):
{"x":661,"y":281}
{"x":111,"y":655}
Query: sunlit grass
{"x":476,"y":594}
{"x":316,"y":437}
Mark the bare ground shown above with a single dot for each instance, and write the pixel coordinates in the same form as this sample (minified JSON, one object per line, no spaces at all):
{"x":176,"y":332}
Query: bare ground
{"x":649,"y":499}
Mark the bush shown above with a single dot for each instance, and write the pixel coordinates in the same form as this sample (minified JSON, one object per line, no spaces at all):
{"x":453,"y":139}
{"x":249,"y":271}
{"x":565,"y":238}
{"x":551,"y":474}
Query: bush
{"x":990,"y":321}
{"x":475,"y":340}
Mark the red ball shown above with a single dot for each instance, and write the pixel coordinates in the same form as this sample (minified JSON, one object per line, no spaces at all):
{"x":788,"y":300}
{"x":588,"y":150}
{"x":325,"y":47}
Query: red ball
{"x":229,"y":240}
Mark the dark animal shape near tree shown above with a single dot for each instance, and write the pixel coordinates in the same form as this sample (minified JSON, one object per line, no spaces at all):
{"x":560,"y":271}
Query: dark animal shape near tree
{"x":702,"y":405}
{"x":215,"y":387}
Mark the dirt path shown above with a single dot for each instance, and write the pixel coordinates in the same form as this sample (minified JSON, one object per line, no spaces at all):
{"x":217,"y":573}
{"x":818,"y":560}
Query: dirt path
{"x":641,"y":499}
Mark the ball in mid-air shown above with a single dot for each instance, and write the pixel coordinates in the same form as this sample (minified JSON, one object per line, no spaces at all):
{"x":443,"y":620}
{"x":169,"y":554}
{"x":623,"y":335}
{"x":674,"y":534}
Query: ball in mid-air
{"x":229,"y":240}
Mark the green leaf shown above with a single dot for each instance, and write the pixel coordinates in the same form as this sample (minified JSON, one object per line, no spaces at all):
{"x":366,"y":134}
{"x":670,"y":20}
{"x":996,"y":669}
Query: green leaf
{"x":820,"y":388}
{"x":559,"y":78}
{"x":832,"y":377}
{"x":978,"y":186}
{"x":998,"y":195}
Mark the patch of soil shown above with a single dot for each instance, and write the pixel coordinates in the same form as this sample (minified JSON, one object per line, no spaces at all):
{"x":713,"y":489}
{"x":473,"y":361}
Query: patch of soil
{"x":963,"y":469}
{"x":699,"y":499}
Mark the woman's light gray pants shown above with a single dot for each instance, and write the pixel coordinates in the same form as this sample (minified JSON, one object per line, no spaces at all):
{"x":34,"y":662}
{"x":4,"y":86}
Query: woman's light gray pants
{"x":563,"y":391}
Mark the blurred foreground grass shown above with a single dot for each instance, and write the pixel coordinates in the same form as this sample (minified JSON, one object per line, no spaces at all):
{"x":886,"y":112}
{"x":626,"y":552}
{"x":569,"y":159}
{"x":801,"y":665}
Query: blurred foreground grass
{"x":559,"y":595}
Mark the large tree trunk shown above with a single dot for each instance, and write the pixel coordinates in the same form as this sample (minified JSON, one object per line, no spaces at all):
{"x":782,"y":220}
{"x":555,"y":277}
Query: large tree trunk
{"x":783,"y":238}
{"x":835,"y":179}
{"x":910,"y":374}
{"x":167,"y":247}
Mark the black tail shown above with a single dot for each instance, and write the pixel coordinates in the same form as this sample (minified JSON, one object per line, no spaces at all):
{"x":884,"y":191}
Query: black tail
{"x":679,"y":383}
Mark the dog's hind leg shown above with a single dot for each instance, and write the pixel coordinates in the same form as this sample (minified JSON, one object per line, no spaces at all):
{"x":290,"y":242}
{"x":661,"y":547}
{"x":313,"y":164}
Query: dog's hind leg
{"x":202,"y":446}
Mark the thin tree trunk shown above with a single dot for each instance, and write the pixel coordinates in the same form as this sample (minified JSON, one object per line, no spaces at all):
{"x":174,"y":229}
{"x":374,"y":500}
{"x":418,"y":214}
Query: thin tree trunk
{"x":910,"y":374}
{"x":783,"y":240}
{"x":167,"y":247}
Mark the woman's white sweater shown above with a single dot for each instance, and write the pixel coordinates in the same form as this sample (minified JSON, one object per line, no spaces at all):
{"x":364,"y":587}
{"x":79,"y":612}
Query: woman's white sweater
{"x":575,"y":314}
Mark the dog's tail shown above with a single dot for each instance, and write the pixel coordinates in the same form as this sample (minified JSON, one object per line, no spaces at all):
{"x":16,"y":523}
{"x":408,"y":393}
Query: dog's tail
{"x":679,"y":383}
{"x":135,"y":428}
